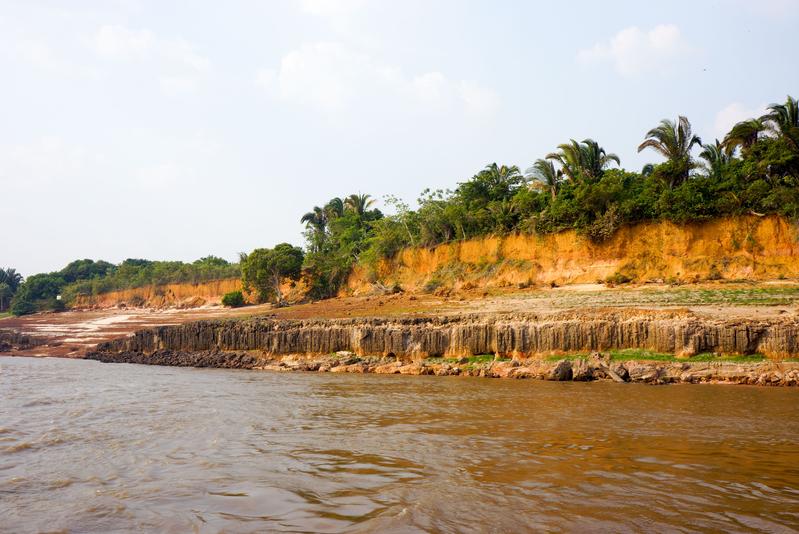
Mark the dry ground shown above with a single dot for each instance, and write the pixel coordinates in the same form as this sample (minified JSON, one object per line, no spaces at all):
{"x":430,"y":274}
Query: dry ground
{"x":71,"y":333}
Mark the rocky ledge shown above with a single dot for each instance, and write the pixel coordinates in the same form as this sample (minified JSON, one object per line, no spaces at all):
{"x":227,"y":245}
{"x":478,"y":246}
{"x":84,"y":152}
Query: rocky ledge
{"x":522,"y":345}
{"x":11,"y":340}
{"x":595,"y":367}
{"x":519,"y":335}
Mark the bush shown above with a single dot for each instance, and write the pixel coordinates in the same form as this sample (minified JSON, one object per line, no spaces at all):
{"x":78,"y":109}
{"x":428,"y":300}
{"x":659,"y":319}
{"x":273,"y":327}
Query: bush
{"x":22,"y":306}
{"x":234,"y":299}
{"x":618,"y":279}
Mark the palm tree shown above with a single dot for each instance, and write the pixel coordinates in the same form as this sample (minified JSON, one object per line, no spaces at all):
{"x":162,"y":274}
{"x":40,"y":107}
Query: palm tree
{"x":744,"y":134}
{"x":503,"y":213}
{"x":358,"y":203}
{"x":11,"y":277}
{"x":595,"y":159}
{"x":717,"y":156}
{"x":316,"y":222}
{"x":546,"y":176}
{"x":783,"y":119}
{"x":334,"y":208}
{"x":10,"y":281}
{"x":569,"y":158}
{"x":674,"y":141}
{"x":583,"y":161}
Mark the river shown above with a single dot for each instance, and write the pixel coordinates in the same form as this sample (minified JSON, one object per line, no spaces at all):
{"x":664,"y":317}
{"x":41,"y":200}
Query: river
{"x":92,"y":447}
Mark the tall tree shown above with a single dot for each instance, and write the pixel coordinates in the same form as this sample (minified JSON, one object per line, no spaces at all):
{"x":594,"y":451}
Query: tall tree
{"x":585,"y":160}
{"x":717,"y":157}
{"x":674,"y":141}
{"x":334,"y":208}
{"x":546,"y":176}
{"x":783,"y":119}
{"x":594,"y":159}
{"x":744,"y":134}
{"x":264,"y":269}
{"x":316,"y":222}
{"x":569,"y":156}
{"x":11,"y":277}
{"x":5,"y":295}
{"x":358,"y":203}
{"x":494,"y":183}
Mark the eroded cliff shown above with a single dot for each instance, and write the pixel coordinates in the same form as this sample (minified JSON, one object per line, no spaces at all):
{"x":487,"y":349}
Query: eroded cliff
{"x":736,"y":248}
{"x":506,"y":335}
{"x":162,"y":296}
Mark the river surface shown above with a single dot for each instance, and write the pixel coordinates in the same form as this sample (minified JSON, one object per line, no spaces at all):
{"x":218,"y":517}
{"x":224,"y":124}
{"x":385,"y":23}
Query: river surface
{"x":92,"y":447}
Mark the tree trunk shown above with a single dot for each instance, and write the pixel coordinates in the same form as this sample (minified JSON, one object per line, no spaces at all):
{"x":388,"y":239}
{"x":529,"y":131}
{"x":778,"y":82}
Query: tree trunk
{"x":278,"y":294}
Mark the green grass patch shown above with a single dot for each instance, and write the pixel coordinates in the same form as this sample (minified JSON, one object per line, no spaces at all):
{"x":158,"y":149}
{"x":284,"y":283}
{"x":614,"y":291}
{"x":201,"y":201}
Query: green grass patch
{"x":481,"y":358}
{"x":570,"y":357}
{"x":5,"y":315}
{"x":439,"y":360}
{"x":735,"y":358}
{"x":626,"y":355}
{"x":473,"y":361}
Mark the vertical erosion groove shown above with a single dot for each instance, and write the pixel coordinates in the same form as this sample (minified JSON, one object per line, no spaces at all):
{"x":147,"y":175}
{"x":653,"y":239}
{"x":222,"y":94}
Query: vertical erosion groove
{"x":507,"y":335}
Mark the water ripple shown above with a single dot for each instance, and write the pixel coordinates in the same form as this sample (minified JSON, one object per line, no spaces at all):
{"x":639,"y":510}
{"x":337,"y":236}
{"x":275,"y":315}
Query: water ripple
{"x":98,"y":448}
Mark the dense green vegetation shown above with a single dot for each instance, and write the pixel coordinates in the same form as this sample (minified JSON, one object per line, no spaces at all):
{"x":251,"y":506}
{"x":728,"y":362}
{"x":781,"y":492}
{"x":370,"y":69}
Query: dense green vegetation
{"x":754,"y":170}
{"x":10,"y":280}
{"x":264,"y":269}
{"x":580,"y":186}
{"x":234,"y":299}
{"x":88,"y":277}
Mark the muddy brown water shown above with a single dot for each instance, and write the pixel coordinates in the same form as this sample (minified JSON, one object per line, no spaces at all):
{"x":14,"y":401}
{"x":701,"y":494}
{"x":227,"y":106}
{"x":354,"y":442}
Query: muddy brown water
{"x":91,"y":447}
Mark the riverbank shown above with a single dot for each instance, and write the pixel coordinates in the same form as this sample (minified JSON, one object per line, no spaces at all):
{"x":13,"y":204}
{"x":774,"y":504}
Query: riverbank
{"x":596,"y":366}
{"x":648,"y":346}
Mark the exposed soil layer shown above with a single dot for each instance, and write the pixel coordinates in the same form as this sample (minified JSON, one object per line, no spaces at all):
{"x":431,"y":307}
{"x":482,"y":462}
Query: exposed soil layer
{"x":731,"y":248}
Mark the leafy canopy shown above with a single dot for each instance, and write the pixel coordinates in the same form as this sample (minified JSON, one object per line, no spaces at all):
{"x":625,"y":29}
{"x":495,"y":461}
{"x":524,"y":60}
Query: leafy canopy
{"x":264,"y":269}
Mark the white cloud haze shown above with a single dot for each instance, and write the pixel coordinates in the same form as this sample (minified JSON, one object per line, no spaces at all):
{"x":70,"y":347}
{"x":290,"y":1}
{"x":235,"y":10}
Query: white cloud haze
{"x":732,"y":115}
{"x":172,"y":131}
{"x":334,"y":77}
{"x":633,"y":51}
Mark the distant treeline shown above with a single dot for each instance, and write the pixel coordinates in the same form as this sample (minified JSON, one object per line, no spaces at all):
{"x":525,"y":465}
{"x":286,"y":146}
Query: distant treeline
{"x":88,"y":277}
{"x":580,"y":186}
{"x":753,"y":170}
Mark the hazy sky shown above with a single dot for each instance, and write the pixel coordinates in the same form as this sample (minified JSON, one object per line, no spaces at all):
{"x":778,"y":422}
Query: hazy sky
{"x":173,"y":130}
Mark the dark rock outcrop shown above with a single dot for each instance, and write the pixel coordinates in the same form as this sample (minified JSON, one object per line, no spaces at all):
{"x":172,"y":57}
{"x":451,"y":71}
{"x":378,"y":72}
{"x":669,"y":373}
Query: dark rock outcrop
{"x":11,"y":340}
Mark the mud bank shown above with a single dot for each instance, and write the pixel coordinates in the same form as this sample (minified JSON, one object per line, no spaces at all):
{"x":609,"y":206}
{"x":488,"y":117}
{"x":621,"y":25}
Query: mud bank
{"x":505,"y":335}
{"x":594,"y":367}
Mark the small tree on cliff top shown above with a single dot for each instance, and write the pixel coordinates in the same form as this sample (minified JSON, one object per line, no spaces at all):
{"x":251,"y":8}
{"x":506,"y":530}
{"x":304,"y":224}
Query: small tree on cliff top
{"x":264,"y":268}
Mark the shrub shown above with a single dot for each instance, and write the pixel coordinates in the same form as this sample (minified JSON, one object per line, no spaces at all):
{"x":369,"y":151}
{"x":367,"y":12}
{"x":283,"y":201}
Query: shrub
{"x":137,"y":301}
{"x":234,"y":299}
{"x":714,"y":273}
{"x":22,"y":306}
{"x":618,"y":279}
{"x":432,"y":284}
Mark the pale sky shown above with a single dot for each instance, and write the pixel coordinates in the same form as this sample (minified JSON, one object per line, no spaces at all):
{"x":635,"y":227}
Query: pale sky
{"x":173,"y":130}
